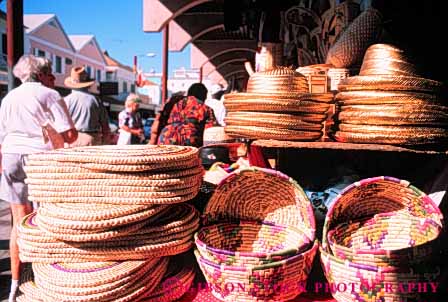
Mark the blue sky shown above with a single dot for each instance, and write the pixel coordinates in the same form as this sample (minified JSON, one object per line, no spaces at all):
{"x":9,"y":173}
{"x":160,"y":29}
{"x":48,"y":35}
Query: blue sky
{"x":117,"y":26}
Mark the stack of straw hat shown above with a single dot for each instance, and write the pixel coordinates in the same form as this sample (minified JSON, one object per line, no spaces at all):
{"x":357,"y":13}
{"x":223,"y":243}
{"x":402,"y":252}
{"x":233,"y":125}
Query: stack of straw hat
{"x":277,"y":105}
{"x":259,"y":234}
{"x":380,"y":236}
{"x":109,"y":203}
{"x":389,"y":103}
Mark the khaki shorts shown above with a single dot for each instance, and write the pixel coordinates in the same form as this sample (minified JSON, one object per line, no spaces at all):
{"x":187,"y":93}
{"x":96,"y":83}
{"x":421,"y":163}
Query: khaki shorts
{"x":12,"y":185}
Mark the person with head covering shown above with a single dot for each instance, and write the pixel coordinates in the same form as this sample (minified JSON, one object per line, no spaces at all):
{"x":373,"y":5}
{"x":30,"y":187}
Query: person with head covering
{"x":26,"y":115}
{"x":88,"y":113}
{"x":187,"y":119}
{"x":216,"y":103}
{"x":130,"y":122}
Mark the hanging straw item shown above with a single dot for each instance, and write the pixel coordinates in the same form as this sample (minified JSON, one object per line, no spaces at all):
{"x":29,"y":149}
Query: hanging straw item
{"x":349,"y":48}
{"x":261,"y":195}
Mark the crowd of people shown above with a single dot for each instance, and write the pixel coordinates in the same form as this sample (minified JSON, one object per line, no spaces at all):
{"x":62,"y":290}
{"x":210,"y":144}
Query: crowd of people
{"x":34,"y":118}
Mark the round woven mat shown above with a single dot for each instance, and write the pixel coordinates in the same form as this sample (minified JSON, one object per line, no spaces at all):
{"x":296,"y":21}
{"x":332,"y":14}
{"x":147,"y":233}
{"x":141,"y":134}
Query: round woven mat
{"x":176,"y":282}
{"x":155,"y":178}
{"x":261,"y":195}
{"x":137,"y":286}
{"x":388,"y":82}
{"x":285,"y":97}
{"x":393,"y":139}
{"x":120,"y":155}
{"x":118,"y":200}
{"x":399,"y":108}
{"x":282,"y":121}
{"x":374,"y":97}
{"x":402,"y":130}
{"x":254,"y":132}
{"x":63,"y":216}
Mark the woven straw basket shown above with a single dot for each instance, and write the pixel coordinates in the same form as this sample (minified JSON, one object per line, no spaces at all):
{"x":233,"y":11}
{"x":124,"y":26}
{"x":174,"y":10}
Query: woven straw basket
{"x":249,"y":243}
{"x":261,"y":195}
{"x":276,"y":281}
{"x":381,"y":231}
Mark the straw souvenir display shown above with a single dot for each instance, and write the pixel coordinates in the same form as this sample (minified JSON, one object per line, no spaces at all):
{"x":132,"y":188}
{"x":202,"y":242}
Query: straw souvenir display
{"x":277,"y":105}
{"x":389,"y":103}
{"x":381,"y":231}
{"x":107,"y":281}
{"x":261,"y":195}
{"x":277,"y":281}
{"x":168,"y":233}
{"x":349,"y":48}
{"x":249,"y":243}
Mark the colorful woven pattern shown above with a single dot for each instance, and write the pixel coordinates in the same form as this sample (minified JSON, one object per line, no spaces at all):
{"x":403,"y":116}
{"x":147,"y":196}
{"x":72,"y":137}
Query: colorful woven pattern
{"x":379,"y":234}
{"x":249,"y":243}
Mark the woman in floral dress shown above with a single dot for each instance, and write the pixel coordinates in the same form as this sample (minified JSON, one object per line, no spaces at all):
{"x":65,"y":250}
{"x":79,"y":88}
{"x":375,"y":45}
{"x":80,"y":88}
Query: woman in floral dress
{"x":188,"y":118}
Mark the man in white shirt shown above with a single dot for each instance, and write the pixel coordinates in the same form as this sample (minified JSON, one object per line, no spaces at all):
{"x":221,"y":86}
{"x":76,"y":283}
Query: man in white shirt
{"x":90,"y":118}
{"x":216,"y":103}
{"x":24,"y":113}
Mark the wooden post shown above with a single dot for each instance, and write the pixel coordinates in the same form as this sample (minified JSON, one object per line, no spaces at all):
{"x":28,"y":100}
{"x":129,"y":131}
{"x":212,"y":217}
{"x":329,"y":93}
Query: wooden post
{"x":14,"y":24}
{"x":200,"y":74}
{"x":165,"y":63}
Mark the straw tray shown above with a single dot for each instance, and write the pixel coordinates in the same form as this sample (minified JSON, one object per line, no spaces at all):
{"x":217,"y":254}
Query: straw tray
{"x":249,"y":243}
{"x":261,"y":195}
{"x":256,"y":132}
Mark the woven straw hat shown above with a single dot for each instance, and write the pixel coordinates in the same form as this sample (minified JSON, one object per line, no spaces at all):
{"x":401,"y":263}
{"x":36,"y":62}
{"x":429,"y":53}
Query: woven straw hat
{"x":281,"y":80}
{"x":216,"y":135}
{"x":386,"y":67}
{"x":78,"y":78}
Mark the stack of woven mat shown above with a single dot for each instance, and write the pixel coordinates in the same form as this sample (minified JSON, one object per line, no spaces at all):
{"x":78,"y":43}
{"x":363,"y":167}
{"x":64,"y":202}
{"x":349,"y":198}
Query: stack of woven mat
{"x":104,"y":204}
{"x":277,"y":105}
{"x":389,"y":103}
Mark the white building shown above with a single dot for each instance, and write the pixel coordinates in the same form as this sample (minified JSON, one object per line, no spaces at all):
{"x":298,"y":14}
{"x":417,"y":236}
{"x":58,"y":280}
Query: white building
{"x":183,"y":78}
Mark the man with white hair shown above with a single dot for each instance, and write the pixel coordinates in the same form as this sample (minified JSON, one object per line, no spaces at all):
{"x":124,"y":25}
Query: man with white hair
{"x":130,"y":122}
{"x":27,"y":114}
{"x":216,"y":103}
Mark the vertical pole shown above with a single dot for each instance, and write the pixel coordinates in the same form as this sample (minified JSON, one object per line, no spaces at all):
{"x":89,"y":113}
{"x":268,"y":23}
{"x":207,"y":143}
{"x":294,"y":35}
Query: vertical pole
{"x":200,"y":74}
{"x":14,"y":24}
{"x":165,"y":63}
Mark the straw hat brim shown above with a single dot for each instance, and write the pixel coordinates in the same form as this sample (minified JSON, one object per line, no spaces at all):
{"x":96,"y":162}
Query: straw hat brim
{"x":68,"y":82}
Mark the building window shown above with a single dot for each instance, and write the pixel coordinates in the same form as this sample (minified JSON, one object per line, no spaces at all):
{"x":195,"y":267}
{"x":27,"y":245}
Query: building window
{"x":109,"y":76}
{"x":89,"y":71}
{"x":58,"y":64}
{"x":133,"y":88}
{"x":125,"y":87}
{"x":68,"y":61}
{"x":40,"y":53}
{"x":98,"y":75}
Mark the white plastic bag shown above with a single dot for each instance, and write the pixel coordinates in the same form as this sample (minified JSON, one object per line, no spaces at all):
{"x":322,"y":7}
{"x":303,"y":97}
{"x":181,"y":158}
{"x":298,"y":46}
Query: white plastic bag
{"x":124,"y":138}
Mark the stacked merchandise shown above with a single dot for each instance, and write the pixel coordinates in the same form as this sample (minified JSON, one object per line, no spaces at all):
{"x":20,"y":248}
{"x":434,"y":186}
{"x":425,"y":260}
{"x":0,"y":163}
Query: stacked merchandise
{"x":259,"y":236}
{"x":389,"y":103}
{"x":382,"y":236}
{"x":277,"y":105}
{"x":109,"y":218}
